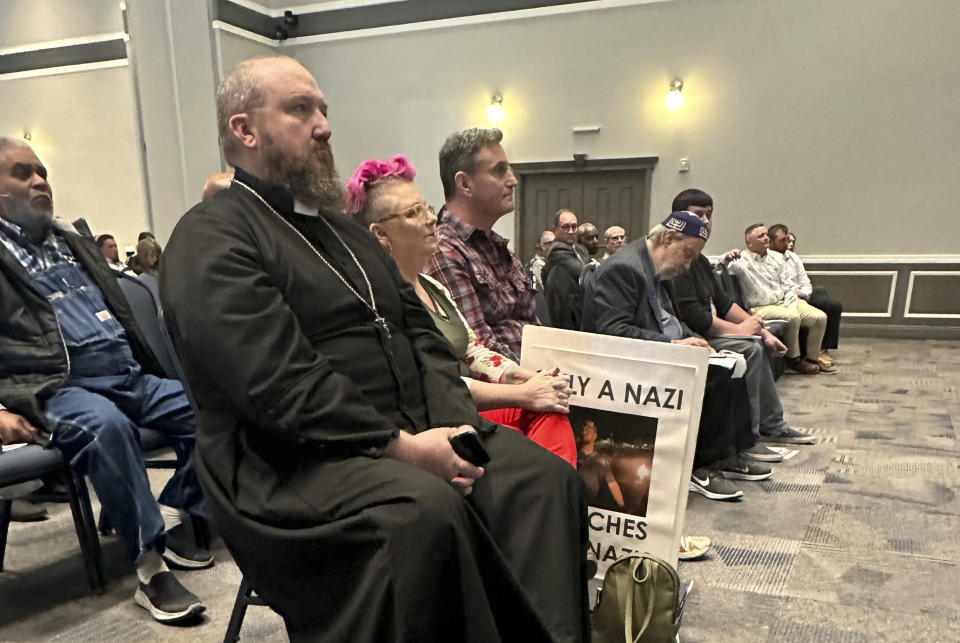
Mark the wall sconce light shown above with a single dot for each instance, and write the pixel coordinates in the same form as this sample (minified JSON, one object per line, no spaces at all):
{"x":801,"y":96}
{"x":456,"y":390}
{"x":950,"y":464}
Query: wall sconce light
{"x":675,"y":98}
{"x":495,"y":111}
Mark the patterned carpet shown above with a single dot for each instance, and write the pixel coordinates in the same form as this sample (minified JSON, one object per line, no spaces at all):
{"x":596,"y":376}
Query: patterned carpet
{"x":855,"y":540}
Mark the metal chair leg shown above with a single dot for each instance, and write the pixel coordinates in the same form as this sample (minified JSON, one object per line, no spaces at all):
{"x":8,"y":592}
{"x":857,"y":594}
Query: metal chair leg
{"x":201,"y":531}
{"x":239,"y":611}
{"x":6,"y":507}
{"x":86,"y":531}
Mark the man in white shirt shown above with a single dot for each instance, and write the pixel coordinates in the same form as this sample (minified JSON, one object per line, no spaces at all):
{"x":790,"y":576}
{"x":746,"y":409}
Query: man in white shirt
{"x":800,"y":282}
{"x":768,"y":293}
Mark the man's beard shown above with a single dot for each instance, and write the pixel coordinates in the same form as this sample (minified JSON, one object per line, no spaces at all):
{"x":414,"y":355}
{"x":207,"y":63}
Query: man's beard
{"x":312,"y":180}
{"x":34,"y":222}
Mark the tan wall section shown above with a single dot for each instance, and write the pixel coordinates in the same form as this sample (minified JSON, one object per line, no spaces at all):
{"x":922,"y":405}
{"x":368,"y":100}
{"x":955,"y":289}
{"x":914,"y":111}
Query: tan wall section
{"x":84,"y":130}
{"x":838,"y":117}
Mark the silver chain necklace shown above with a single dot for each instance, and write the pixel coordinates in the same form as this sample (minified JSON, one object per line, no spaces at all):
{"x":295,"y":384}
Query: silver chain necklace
{"x":372,"y":304}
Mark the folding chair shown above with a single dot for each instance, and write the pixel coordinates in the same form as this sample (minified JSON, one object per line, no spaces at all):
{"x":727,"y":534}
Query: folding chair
{"x":33,"y":461}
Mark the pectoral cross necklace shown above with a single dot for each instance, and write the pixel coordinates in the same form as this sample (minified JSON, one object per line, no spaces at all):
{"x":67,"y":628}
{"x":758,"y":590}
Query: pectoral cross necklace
{"x":379,"y":320}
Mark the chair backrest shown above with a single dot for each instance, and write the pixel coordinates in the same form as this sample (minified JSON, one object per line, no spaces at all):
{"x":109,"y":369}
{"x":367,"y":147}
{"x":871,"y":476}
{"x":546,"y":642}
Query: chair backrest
{"x":731,"y":285}
{"x":145,"y":310}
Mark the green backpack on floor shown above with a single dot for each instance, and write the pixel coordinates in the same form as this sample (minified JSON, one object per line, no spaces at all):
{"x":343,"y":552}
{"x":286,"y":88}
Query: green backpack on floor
{"x":639,"y":602}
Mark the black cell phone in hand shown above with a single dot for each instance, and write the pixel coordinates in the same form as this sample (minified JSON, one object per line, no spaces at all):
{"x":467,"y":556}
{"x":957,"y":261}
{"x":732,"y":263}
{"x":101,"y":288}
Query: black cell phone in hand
{"x":468,"y":446}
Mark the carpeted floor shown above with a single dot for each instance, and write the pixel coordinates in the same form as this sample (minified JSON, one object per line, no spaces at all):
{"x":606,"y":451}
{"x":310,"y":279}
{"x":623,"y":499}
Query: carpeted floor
{"x":855,"y":540}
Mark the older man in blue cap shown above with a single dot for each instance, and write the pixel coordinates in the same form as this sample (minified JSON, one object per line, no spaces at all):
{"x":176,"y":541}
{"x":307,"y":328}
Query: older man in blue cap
{"x":631,"y":297}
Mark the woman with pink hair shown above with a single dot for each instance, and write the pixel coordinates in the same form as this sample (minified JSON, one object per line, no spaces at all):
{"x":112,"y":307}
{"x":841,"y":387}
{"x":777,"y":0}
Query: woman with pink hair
{"x":383,"y":197}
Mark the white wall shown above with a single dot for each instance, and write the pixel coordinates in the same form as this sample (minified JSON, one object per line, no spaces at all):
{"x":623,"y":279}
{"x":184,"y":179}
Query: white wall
{"x":84,"y":129}
{"x":232,"y":49}
{"x":838,"y":117}
{"x":23,"y":22}
{"x":83,"y":124}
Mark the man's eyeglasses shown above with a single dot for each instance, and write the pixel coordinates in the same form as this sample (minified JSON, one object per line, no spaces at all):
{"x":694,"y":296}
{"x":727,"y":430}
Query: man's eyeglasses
{"x":414,"y":211}
{"x":568,"y":226}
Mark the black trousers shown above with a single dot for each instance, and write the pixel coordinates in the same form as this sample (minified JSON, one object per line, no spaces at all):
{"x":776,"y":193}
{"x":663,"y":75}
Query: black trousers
{"x":821,"y":299}
{"x":402,"y":556}
{"x":724,"y":419}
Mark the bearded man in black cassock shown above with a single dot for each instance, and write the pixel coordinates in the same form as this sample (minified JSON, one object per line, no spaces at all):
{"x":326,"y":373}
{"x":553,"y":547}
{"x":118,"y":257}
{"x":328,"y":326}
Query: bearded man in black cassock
{"x":327,"y":397}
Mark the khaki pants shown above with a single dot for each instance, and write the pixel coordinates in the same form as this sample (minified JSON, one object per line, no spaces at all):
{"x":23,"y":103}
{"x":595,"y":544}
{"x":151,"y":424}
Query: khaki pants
{"x":797,"y":314}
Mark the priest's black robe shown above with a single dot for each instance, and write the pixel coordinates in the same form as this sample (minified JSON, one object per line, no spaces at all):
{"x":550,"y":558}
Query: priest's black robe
{"x":300,"y":391}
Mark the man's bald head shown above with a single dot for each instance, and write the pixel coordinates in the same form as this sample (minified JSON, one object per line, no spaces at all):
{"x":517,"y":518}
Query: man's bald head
{"x":216,"y":182}
{"x":8,"y":142}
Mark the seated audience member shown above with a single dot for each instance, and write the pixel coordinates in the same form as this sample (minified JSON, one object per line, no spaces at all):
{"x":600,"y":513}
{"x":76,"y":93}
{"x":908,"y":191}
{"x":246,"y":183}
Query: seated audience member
{"x":328,"y":399}
{"x":77,"y":373}
{"x":535,"y":265}
{"x":791,"y":241}
{"x":768,"y":293}
{"x":111,"y":252}
{"x":588,"y":237}
{"x":384,"y":198}
{"x":147,"y":259}
{"x":215,"y":183}
{"x":629,"y":298}
{"x":487,"y":281}
{"x":561,"y":274}
{"x":800,"y":283}
{"x":703,"y":305}
{"x":614,"y":238}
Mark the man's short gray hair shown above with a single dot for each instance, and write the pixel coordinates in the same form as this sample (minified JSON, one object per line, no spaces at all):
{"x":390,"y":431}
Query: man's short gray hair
{"x":459,"y":154}
{"x":656,"y":234}
{"x":239,"y":92}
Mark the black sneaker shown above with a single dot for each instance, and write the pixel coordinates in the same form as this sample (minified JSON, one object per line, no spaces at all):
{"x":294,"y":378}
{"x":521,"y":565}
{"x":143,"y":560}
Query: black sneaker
{"x":761,"y":453}
{"x":789,"y":436}
{"x":182,"y":552}
{"x":711,"y":485}
{"x":742,"y":469}
{"x":166,"y":599}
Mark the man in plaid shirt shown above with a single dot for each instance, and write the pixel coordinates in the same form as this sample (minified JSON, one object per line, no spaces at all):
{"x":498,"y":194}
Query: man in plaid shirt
{"x":487,"y":281}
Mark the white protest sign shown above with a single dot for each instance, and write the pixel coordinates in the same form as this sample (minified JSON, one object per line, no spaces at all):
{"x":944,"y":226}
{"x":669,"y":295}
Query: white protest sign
{"x":635,"y":410}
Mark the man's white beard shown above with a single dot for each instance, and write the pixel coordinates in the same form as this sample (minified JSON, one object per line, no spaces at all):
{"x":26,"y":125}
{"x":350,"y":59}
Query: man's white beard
{"x":313,"y":180}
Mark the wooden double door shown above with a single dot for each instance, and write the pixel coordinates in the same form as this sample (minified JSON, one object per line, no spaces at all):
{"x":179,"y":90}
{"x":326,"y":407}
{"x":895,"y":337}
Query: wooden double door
{"x":604,"y":192}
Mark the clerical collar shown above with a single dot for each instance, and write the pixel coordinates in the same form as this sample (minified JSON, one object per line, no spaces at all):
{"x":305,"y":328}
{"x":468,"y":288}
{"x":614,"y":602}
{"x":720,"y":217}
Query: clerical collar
{"x":278,"y":197}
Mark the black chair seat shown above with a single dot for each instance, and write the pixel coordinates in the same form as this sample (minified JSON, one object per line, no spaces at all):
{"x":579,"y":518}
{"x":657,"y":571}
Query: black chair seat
{"x":151,"y":440}
{"x":28,"y":463}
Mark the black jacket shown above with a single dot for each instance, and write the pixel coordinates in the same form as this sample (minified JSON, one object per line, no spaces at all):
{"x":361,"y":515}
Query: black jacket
{"x":33,"y":357}
{"x":561,"y":285}
{"x":694,"y":290}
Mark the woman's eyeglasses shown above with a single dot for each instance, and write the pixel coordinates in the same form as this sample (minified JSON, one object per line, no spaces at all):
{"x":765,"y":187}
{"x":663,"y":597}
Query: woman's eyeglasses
{"x":416,"y":210}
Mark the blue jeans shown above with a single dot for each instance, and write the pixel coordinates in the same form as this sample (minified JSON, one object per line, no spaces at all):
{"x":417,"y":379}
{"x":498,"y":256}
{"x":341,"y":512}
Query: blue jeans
{"x":96,"y":415}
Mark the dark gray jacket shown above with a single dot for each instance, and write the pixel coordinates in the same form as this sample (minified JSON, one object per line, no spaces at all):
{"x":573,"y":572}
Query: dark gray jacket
{"x":616,"y":301}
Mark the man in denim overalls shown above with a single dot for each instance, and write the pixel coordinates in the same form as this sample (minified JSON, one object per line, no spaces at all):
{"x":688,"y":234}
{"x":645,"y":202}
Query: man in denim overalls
{"x":75,"y":368}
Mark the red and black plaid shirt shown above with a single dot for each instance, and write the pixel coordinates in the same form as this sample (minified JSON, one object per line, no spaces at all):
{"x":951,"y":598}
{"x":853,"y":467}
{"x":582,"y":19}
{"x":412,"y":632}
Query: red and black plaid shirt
{"x":487,"y":282}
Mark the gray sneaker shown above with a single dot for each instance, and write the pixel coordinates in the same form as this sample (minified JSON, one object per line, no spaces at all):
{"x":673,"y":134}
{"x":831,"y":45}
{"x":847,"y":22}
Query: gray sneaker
{"x":789,"y":436}
{"x":740,"y":468}
{"x":712,"y":485}
{"x":761,"y":453}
